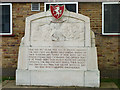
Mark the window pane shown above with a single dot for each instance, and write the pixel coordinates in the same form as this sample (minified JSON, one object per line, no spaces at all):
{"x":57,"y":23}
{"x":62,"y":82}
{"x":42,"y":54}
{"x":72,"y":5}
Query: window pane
{"x":0,"y":18}
{"x":5,"y":19}
{"x":35,"y":6}
{"x":112,"y":18}
{"x":71,"y":7}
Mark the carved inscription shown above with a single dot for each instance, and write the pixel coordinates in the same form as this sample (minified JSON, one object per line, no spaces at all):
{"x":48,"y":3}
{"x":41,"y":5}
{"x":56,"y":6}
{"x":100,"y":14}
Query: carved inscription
{"x":57,"y":58}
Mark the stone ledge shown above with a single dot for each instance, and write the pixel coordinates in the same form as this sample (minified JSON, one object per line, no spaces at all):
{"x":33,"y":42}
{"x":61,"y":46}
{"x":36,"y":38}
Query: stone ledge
{"x":10,"y":84}
{"x":57,"y":78}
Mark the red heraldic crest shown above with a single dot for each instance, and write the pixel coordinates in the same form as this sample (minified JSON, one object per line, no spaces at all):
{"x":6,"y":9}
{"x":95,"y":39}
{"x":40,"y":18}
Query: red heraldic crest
{"x":57,"y":11}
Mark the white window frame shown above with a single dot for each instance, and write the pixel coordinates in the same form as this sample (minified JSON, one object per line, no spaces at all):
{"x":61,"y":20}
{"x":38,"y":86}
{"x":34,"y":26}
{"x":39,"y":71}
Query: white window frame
{"x":10,"y":19}
{"x":103,"y":18}
{"x":62,"y":3}
{"x":35,"y":10}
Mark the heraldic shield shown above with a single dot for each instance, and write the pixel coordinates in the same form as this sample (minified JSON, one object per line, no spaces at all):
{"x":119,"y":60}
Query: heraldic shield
{"x":57,"y":11}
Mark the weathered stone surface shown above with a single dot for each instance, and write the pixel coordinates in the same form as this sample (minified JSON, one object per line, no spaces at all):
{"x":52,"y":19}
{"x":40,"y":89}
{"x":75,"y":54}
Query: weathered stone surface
{"x":104,"y":86}
{"x":23,"y":77}
{"x":92,"y":78}
{"x":47,"y":58}
{"x":58,"y":52}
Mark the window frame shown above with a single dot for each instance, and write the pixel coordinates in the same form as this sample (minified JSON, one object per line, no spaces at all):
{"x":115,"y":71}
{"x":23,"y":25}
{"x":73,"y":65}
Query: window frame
{"x":35,"y":10}
{"x":11,"y":31}
{"x":103,"y":33}
{"x":62,"y":3}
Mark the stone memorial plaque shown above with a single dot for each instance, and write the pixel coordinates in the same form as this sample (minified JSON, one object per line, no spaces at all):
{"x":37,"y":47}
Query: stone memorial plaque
{"x":58,"y":51}
{"x":57,"y":58}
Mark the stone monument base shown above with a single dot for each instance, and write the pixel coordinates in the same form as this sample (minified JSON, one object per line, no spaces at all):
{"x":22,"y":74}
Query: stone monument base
{"x":58,"y":78}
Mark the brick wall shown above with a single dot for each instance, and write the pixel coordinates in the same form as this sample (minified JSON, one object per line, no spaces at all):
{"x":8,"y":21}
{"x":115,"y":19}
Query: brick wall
{"x":107,"y":46}
{"x":11,"y":44}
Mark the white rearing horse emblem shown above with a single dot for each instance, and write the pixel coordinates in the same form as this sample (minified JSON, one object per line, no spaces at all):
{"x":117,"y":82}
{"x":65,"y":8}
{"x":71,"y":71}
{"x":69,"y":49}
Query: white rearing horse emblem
{"x":58,"y":11}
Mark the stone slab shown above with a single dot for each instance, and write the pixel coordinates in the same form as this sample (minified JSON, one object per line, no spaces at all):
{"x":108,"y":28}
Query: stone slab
{"x":104,"y":85}
{"x":50,"y":77}
{"x":23,"y":77}
{"x":92,"y":78}
{"x":58,"y":78}
{"x":57,"y":58}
